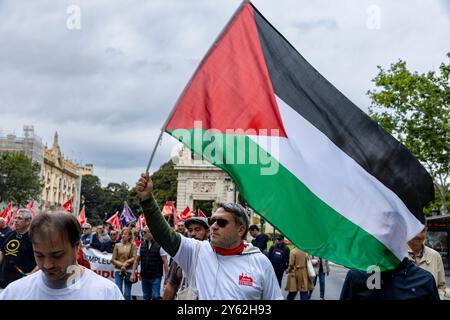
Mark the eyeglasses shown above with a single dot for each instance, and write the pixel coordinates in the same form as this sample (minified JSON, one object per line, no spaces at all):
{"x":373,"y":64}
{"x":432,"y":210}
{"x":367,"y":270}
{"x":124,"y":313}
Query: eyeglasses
{"x":85,"y":228}
{"x":222,"y":223}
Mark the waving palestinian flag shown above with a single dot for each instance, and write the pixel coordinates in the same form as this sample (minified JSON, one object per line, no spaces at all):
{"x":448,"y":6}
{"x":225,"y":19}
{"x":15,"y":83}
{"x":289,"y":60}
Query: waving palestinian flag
{"x":302,"y":155}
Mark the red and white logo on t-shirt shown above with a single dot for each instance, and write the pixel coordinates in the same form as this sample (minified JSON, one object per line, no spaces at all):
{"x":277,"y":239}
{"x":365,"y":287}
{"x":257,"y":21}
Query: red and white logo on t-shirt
{"x":245,"y":280}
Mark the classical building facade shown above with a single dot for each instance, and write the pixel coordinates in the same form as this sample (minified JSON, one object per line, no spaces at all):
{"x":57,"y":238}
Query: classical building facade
{"x":201,"y":184}
{"x":61,"y":177}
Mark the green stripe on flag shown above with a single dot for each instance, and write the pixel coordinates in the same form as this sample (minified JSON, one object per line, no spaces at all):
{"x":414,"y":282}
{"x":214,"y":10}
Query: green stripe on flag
{"x":286,"y":203}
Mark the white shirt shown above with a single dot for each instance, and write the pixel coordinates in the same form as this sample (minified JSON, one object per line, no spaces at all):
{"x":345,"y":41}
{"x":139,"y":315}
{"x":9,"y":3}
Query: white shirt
{"x":90,"y":286}
{"x":162,"y":253}
{"x":249,"y":276}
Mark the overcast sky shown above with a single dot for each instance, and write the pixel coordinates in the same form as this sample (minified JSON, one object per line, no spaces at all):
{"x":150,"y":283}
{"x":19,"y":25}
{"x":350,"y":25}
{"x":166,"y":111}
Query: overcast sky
{"x":108,"y":86}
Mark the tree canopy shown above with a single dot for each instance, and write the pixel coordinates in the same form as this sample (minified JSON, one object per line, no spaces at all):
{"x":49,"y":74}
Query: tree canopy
{"x":414,"y":108}
{"x":20,"y":180}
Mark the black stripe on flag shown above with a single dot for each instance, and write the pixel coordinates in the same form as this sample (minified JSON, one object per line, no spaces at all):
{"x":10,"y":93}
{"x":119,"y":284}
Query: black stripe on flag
{"x":303,"y":88}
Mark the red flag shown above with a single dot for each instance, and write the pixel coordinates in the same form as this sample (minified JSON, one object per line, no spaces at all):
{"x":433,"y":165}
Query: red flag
{"x":141,"y":223}
{"x":9,"y":220}
{"x":200,"y":213}
{"x":82,"y":217}
{"x":168,"y":208}
{"x":114,"y":221}
{"x":175,"y":219}
{"x":30,"y":207}
{"x":68,"y":205}
{"x":5,"y":213}
{"x":186,"y":214}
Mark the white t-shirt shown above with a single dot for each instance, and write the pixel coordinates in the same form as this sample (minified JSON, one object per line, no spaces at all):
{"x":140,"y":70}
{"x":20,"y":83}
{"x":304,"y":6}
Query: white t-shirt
{"x":90,"y":286}
{"x":238,"y":277}
{"x":162,"y":253}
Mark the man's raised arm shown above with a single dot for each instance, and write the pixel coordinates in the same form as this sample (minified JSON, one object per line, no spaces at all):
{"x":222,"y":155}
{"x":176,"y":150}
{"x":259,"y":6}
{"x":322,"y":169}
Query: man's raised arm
{"x":160,"y":229}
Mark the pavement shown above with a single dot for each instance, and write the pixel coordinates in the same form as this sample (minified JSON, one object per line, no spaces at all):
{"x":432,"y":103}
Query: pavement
{"x":333,"y":284}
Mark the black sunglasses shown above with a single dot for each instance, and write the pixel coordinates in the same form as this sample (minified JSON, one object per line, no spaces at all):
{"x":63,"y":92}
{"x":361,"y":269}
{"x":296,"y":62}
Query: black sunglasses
{"x":222,"y":223}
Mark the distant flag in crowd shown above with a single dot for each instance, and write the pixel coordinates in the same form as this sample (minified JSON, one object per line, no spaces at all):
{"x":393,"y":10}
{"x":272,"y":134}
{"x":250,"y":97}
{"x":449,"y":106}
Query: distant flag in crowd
{"x":7,"y":211}
{"x":82,"y":217}
{"x":329,"y":178}
{"x":7,"y":214}
{"x":68,"y":205}
{"x":30,"y":207}
{"x":114,"y":221}
{"x":141,"y":224}
{"x":200,"y":213}
{"x":127,"y":216}
{"x":186,"y":214}
{"x":169,"y":208}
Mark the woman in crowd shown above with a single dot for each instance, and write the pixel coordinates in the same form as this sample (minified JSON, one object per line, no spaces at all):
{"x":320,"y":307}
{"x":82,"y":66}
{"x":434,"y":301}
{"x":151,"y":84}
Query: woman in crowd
{"x":123,"y":257}
{"x":298,"y":279}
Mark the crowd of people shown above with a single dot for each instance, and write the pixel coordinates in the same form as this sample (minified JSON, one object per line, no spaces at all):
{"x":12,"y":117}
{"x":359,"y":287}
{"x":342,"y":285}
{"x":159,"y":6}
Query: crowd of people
{"x":203,"y":258}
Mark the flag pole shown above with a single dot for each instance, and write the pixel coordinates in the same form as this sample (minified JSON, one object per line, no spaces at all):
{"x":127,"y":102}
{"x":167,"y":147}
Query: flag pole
{"x":243,"y":3}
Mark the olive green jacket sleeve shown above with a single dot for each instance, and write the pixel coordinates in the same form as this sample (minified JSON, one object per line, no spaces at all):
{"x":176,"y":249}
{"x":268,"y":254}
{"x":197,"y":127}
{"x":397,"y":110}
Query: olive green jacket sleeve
{"x":160,"y":229}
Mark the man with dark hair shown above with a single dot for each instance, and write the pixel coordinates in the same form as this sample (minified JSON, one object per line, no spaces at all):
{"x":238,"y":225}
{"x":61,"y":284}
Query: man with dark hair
{"x":55,"y":238}
{"x":16,"y":256}
{"x":197,"y":228}
{"x":226,"y":267}
{"x":259,"y":239}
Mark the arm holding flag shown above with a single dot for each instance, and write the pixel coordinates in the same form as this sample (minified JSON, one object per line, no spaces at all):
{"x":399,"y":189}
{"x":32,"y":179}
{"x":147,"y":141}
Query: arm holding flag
{"x":161,"y":231}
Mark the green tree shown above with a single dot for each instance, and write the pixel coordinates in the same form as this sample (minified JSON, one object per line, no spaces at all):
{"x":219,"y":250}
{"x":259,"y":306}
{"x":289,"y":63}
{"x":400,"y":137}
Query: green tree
{"x":93,"y":196}
{"x":165,"y":183}
{"x":20,"y":180}
{"x":114,"y":196}
{"x":134,"y":202}
{"x":414,"y":108}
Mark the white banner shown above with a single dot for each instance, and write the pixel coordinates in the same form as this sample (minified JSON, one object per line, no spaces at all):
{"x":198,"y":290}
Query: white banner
{"x":101,"y":264}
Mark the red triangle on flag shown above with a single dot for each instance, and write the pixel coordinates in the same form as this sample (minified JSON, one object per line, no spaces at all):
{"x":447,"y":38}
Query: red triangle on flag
{"x":211,"y":98}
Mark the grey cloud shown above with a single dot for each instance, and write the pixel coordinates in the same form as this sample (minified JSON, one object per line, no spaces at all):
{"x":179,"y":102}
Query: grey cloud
{"x":328,"y":24}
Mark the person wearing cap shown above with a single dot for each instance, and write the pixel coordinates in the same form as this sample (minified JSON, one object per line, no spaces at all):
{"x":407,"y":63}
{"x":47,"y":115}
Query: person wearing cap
{"x":55,"y":239}
{"x":226,"y":267}
{"x":197,"y":228}
{"x":279,"y":257}
{"x":16,"y":256}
